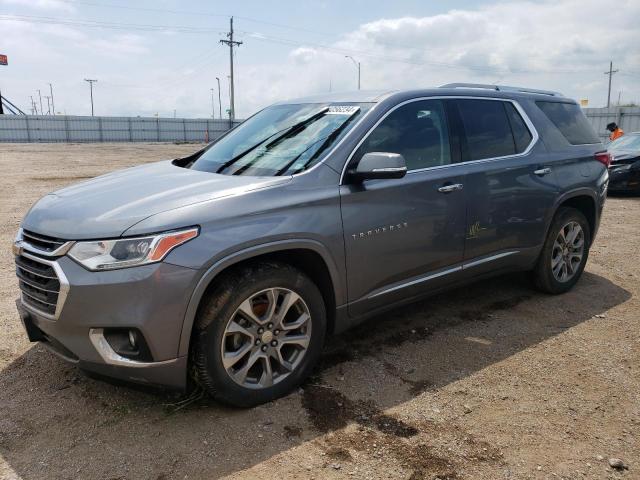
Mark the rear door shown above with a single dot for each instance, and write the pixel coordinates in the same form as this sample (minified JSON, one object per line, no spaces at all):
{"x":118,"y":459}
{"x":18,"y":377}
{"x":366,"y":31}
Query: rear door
{"x":510,"y":186}
{"x":403,"y":235}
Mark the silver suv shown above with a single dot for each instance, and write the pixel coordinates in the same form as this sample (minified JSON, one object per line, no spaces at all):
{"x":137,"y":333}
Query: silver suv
{"x":231,"y":267}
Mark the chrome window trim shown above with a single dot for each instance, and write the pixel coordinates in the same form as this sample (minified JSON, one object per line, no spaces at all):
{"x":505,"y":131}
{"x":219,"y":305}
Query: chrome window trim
{"x":62,"y":294}
{"x":534,"y":133}
{"x":431,"y":276}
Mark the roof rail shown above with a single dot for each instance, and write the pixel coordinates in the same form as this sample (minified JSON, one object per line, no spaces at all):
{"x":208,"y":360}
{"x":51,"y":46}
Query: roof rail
{"x":502,"y":88}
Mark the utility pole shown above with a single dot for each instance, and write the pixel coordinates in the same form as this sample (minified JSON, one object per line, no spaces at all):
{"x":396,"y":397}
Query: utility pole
{"x":48,"y":104}
{"x":231,"y":43}
{"x":213,"y":108}
{"x":41,"y":109}
{"x":91,"y":82}
{"x":34,"y":109}
{"x":53,"y":107}
{"x":357,"y":64}
{"x":610,"y":73}
{"x":219,"y":100}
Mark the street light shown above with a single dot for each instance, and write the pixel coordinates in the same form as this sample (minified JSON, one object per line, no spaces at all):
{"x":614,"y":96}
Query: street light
{"x":53,"y":107}
{"x":40,"y":97}
{"x":213,"y":108}
{"x":219,"y":99}
{"x":357,"y":64}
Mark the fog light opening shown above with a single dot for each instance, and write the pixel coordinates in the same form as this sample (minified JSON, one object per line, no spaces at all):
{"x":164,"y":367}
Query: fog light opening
{"x":128,"y":343}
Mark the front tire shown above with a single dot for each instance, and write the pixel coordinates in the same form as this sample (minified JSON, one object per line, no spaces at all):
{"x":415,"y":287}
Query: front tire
{"x":258,"y":334}
{"x":565,"y":252}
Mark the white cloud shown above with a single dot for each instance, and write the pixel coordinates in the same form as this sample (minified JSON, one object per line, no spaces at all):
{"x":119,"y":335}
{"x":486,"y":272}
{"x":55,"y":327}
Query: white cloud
{"x":41,"y":4}
{"x":564,"y":46}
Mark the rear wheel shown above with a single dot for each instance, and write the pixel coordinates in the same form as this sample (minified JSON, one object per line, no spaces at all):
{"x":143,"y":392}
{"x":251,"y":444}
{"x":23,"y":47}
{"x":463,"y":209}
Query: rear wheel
{"x":258,"y":334}
{"x":565,"y":252}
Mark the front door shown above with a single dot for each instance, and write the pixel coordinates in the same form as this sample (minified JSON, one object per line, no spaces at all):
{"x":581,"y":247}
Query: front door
{"x":404,"y":236}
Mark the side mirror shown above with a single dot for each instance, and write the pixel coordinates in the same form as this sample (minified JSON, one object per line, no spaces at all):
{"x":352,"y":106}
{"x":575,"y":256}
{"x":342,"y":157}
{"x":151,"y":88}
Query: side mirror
{"x":379,"y":165}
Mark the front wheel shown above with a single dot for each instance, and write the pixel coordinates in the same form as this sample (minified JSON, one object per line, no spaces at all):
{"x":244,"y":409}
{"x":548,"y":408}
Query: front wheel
{"x":258,"y":334}
{"x":565,"y":252}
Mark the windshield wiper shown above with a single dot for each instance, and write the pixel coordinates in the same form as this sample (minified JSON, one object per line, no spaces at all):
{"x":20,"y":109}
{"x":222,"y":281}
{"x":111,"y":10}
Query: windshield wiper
{"x":280,"y":134}
{"x":328,"y":140}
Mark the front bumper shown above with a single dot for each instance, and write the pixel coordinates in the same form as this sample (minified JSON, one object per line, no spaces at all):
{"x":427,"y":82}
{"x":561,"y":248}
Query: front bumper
{"x":151,"y":299}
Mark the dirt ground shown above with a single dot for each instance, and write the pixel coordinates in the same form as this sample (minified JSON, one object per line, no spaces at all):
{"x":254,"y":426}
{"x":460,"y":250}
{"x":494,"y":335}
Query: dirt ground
{"x":487,"y":382}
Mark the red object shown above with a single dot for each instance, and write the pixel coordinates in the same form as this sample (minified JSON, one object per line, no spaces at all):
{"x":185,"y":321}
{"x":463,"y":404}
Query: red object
{"x":604,"y":158}
{"x":4,"y":60}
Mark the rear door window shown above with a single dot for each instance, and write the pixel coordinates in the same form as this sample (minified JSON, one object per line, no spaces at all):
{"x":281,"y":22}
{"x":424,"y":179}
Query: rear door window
{"x":569,"y":119}
{"x":487,"y":129}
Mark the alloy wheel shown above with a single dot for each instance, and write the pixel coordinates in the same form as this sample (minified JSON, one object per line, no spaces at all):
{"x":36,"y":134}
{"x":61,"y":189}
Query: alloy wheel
{"x":266,"y":338}
{"x":567,"y":252}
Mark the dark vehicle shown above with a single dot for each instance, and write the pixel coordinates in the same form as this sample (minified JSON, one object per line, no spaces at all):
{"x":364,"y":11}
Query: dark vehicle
{"x":233,"y":266}
{"x":624,"y":171}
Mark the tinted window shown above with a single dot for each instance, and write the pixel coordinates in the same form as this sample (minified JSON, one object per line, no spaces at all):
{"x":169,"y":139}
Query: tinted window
{"x":417,"y":131}
{"x":487,"y":129}
{"x":521,"y":134}
{"x":571,"y":122}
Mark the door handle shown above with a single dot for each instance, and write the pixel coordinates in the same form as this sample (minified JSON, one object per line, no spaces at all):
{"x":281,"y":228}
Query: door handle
{"x":542,"y":171}
{"x":450,"y":188}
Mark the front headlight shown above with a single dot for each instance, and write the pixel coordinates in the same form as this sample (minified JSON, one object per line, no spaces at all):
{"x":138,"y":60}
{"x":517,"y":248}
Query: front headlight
{"x":128,"y":252}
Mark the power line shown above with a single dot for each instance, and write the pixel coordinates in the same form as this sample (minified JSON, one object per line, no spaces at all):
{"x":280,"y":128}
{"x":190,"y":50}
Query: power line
{"x":199,"y":14}
{"x":286,"y":41}
{"x":108,"y":25}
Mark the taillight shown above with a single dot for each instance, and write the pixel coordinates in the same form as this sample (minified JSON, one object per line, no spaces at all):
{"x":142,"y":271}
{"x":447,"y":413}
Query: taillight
{"x":604,"y":158}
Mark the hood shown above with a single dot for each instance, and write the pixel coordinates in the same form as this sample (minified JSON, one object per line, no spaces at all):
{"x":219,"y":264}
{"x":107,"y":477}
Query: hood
{"x":106,"y":206}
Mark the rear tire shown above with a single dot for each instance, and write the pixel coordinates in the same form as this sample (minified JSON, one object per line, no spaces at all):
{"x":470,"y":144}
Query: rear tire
{"x":565,"y":252}
{"x":258,"y":334}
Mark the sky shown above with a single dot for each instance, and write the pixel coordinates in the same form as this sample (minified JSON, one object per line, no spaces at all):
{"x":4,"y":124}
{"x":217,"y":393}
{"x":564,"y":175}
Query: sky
{"x":162,"y":57}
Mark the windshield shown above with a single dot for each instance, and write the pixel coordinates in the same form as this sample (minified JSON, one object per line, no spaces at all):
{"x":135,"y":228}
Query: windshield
{"x":281,"y":140}
{"x":626,"y":142}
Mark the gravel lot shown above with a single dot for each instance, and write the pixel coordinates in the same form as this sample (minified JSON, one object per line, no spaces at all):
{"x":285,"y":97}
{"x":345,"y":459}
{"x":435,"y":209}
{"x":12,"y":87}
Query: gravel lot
{"x":487,"y":382}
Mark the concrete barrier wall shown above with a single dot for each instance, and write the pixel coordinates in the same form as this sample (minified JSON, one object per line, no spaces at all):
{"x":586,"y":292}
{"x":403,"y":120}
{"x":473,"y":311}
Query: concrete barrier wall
{"x":67,"y":128}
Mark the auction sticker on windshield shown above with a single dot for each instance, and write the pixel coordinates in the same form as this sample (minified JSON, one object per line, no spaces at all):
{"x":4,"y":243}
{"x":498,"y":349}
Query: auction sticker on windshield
{"x":342,"y":109}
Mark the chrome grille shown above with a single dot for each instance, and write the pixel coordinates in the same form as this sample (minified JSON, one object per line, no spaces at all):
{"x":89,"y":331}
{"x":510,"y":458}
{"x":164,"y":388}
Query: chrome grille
{"x":39,"y":283}
{"x":42,"y":242}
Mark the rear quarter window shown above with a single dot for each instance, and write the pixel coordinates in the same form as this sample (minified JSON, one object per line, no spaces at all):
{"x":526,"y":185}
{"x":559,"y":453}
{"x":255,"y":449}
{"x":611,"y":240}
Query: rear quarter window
{"x":521,"y":134}
{"x":569,"y":119}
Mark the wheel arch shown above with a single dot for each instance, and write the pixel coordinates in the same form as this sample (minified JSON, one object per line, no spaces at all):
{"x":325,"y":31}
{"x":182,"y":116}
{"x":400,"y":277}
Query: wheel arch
{"x":582,"y":199}
{"x":309,"y":256}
